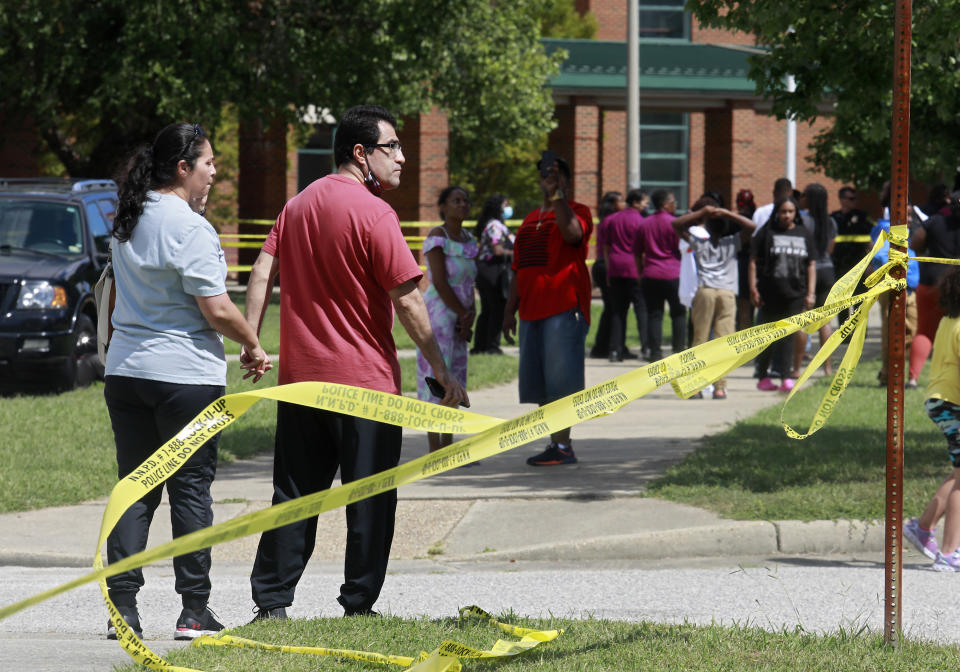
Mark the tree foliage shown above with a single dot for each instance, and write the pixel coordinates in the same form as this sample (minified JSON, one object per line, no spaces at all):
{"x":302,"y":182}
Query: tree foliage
{"x":100,"y":76}
{"x":485,"y":168}
{"x":842,"y":53}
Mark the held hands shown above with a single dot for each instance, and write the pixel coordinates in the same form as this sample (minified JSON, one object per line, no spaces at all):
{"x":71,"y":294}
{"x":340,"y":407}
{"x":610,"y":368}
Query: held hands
{"x":256,"y":362}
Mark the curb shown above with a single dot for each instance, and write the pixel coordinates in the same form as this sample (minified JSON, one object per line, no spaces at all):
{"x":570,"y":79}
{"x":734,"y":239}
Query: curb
{"x":736,"y":538}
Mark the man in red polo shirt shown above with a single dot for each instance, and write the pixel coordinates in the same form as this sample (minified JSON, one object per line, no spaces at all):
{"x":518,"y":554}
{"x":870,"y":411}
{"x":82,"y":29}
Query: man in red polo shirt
{"x":551,"y":287}
{"x":346,"y":268}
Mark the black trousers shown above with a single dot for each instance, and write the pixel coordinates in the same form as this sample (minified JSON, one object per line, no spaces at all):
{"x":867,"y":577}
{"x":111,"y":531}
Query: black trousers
{"x":656,"y":292}
{"x":601,"y":339}
{"x":310,"y":445}
{"x":623,"y":293}
{"x":145,"y":414}
{"x":779,"y":354}
{"x":492,"y":303}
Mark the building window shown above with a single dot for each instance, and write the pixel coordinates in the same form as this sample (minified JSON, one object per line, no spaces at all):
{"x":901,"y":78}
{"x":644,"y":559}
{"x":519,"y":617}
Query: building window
{"x":664,"y":19}
{"x":664,"y":150}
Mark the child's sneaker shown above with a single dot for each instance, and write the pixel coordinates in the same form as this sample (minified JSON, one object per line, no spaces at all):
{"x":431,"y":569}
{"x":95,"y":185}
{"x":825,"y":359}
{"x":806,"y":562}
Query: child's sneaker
{"x":766,"y":385}
{"x":787,"y":385}
{"x":924,"y":541}
{"x":947,"y":563}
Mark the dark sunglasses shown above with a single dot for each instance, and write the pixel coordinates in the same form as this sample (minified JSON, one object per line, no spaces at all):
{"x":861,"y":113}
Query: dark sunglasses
{"x":197,"y":132}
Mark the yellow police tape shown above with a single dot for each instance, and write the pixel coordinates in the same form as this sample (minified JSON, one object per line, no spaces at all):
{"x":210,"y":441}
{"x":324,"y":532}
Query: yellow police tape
{"x":687,"y":371}
{"x":444,"y":657}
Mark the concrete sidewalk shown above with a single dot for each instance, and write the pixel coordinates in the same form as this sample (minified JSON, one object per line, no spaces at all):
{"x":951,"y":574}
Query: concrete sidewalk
{"x":502,"y":509}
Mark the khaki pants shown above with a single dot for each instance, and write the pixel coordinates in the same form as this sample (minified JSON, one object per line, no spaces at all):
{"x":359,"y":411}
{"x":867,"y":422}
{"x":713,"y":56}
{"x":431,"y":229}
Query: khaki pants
{"x":911,"y":328}
{"x":713,"y":310}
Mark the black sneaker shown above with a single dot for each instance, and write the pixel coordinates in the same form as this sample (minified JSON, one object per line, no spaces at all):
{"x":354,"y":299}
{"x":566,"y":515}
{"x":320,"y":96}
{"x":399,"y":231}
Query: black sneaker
{"x":361,"y":612}
{"x":553,"y":456}
{"x":131,"y":616}
{"x":279,"y":613}
{"x":194,"y":623}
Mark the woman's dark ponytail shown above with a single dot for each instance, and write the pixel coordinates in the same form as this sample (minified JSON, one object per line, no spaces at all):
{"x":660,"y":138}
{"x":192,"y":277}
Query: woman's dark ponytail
{"x":153,"y":167}
{"x":133,"y":193}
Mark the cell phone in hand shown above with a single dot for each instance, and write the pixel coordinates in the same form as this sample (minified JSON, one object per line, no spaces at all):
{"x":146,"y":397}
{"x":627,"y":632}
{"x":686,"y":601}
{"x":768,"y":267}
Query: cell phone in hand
{"x":547,"y":159}
{"x":438,"y":390}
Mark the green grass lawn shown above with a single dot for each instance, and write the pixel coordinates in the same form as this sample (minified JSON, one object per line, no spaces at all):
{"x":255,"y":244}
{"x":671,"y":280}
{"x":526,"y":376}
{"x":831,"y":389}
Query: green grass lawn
{"x":58,"y":449}
{"x":270,"y":331}
{"x":754,"y":471}
{"x":588,"y":645}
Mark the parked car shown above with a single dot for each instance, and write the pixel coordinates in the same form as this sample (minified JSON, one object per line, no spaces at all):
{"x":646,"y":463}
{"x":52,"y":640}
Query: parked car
{"x":54,"y":243}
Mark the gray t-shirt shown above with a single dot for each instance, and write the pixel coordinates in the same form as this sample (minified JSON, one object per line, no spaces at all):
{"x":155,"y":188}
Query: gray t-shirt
{"x":717,"y":266}
{"x":173,"y":256}
{"x":824,"y":260}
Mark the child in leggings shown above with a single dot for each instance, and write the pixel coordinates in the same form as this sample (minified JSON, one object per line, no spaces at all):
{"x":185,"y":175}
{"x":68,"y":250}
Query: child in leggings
{"x":783,"y":280}
{"x":943,"y":407}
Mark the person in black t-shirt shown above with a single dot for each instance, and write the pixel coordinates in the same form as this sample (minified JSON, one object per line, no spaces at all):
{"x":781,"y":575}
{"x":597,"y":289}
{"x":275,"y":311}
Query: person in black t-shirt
{"x":938,"y":236}
{"x":783,"y":280}
{"x":851,"y":221}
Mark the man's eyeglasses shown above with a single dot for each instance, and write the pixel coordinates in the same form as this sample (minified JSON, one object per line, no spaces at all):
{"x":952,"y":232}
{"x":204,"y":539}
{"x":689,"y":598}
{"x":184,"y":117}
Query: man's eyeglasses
{"x":395,"y":147}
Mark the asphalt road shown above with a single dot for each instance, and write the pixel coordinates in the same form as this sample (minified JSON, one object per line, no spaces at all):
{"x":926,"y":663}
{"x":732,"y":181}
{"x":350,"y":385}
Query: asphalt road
{"x":816,"y":594}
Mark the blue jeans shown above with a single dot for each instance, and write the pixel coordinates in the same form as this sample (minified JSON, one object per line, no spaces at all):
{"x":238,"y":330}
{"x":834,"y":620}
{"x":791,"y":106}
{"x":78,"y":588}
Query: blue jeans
{"x":552,"y":357}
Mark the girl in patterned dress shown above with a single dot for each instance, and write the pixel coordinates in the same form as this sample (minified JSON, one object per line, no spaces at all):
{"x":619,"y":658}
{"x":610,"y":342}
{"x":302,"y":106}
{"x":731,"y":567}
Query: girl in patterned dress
{"x":451,"y":254}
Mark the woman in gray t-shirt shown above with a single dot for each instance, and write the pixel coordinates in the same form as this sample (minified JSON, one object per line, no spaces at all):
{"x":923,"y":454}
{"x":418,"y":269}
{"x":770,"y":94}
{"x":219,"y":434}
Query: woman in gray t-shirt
{"x":165,"y":360}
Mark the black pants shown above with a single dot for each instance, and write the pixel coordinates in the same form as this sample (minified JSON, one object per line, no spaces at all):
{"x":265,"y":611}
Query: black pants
{"x":623,"y":292}
{"x":310,"y":445}
{"x":145,"y":414}
{"x":492,"y":303}
{"x":656,"y":292}
{"x":779,"y":354}
{"x":601,"y":339}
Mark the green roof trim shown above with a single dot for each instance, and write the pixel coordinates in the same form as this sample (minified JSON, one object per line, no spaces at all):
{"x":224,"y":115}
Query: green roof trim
{"x":670,"y":66}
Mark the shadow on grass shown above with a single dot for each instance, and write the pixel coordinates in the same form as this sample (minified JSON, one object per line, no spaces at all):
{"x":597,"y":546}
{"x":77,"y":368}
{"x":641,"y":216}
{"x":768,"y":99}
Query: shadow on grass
{"x":745,"y":457}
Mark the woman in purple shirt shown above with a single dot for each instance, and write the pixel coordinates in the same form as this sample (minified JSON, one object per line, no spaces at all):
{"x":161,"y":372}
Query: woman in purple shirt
{"x":657,"y":253}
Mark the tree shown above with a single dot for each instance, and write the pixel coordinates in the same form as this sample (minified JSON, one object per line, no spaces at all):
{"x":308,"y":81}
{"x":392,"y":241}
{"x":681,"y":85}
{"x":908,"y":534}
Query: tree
{"x":98,"y":77}
{"x":842,"y":53}
{"x":506,"y":167}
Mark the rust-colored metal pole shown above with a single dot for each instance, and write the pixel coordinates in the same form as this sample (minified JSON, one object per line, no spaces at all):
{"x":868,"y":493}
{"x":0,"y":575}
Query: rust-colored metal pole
{"x":899,"y":186}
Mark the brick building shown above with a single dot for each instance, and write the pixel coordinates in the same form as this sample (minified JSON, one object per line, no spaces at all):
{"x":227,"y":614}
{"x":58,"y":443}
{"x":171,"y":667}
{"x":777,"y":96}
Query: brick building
{"x":702,"y":124}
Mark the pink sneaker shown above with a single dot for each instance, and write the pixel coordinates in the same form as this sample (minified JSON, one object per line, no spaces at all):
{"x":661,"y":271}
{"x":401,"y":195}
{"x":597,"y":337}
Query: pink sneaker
{"x":786,"y":385}
{"x":766,"y":385}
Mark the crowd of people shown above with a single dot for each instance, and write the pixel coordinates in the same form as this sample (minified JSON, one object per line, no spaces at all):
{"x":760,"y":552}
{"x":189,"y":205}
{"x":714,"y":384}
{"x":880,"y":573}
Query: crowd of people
{"x":347,"y":271}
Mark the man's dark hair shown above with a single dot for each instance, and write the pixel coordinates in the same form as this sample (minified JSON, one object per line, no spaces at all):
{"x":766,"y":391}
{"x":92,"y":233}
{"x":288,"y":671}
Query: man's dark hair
{"x":949,"y":286}
{"x":562,"y":166}
{"x":782,"y":187}
{"x":359,"y":125}
{"x":636,"y":195}
{"x":659,"y":198}
{"x":846,"y":190}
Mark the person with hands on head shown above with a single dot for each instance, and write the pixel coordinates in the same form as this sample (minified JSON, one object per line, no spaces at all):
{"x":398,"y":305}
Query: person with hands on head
{"x":346,"y":268}
{"x":716,"y":247}
{"x":451,"y":254}
{"x":783,"y":282}
{"x":166,"y":362}
{"x":551,"y":290}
